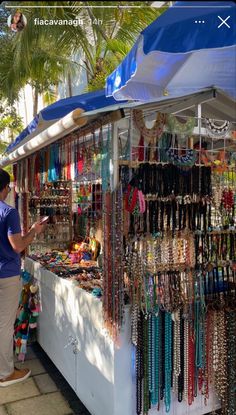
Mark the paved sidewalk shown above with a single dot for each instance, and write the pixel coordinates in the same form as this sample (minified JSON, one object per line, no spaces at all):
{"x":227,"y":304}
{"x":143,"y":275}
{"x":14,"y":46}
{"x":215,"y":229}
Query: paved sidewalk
{"x":46,"y":392}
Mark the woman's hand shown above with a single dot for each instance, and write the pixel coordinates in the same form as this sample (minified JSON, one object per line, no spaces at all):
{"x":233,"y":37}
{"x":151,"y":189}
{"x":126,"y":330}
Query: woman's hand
{"x":39,"y":227}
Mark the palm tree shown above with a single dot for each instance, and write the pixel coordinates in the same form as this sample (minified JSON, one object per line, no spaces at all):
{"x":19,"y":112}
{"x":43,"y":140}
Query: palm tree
{"x":36,"y":62}
{"x":42,"y":54}
{"x":42,"y":67}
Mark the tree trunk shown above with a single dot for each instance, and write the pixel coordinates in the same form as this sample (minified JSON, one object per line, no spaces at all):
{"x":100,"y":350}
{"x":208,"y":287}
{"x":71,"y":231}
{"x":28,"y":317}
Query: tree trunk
{"x":36,"y":101}
{"x":69,"y":84}
{"x":57,"y":92}
{"x":25,"y":105}
{"x":88,"y":71}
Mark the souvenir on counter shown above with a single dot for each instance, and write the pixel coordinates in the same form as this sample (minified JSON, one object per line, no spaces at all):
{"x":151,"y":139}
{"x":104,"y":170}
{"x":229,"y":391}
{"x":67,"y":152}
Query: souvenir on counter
{"x":87,"y":250}
{"x":74,"y":265}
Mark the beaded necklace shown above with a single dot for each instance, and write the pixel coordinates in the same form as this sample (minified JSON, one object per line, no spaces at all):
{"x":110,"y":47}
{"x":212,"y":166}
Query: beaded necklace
{"x":141,"y":149}
{"x":139,"y":365}
{"x":231,"y":361}
{"x":117,"y":254}
{"x":221,"y":374}
{"x":134,"y":323}
{"x":75,"y":160}
{"x":168,"y":360}
{"x":162,"y":354}
{"x":149,"y":133}
{"x":199,"y":323}
{"x":46,"y":163}
{"x":215,"y":130}
{"x":15,"y":175}
{"x":190,"y":274}
{"x":19,"y":176}
{"x":176,"y":350}
{"x":72,"y":158}
{"x":186,"y":359}
{"x":42,"y":167}
{"x":156,"y":358}
{"x":106,"y":156}
{"x":146,"y":367}
{"x":182,"y":355}
{"x":209,"y":347}
{"x":131,"y":198}
{"x":37,"y":174}
{"x":187,"y":160}
{"x":191,"y":366}
{"x":174,"y":126}
{"x":151,"y":372}
{"x":80,"y":160}
{"x":107,"y":278}
{"x":113,"y":295}
{"x":26,"y":177}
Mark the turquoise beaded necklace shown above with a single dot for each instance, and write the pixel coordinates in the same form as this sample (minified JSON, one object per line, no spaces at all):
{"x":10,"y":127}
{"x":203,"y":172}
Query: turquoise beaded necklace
{"x":156,"y":357}
{"x":150,"y":353}
{"x":146,"y":366}
{"x":199,"y":323}
{"x":168,"y":360}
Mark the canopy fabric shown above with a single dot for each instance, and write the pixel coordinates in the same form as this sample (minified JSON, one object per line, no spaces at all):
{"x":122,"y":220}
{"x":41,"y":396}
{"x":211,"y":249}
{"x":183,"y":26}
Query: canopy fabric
{"x":88,"y":102}
{"x":214,"y":104}
{"x":176,"y":54}
{"x":31,"y":127}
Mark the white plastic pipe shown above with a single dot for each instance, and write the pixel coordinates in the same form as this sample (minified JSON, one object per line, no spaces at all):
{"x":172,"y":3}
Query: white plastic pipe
{"x":58,"y":130}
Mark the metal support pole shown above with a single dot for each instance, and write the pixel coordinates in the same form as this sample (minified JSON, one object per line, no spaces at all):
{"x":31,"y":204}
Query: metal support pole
{"x":199,"y":120}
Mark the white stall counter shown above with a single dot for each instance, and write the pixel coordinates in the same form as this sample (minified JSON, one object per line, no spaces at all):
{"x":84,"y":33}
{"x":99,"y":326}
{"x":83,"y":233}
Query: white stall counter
{"x":70,"y":330}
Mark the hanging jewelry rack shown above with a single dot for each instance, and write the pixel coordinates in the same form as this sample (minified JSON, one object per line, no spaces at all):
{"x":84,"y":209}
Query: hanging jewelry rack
{"x":135,"y":163}
{"x":157,"y":294}
{"x":198,"y":131}
{"x":153,"y":112}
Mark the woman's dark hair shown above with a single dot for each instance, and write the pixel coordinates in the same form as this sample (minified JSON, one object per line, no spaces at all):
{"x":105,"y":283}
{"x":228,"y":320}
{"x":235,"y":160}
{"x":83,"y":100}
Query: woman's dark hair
{"x":20,"y":26}
{"x":21,"y":23}
{"x":21,"y":17}
{"x":4,"y":179}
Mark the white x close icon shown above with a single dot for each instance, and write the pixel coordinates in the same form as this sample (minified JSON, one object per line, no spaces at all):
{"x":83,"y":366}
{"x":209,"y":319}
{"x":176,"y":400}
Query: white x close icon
{"x":223,"y":21}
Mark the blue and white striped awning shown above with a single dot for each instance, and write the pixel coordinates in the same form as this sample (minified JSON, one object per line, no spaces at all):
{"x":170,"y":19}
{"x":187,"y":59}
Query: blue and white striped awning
{"x":90,"y":101}
{"x":190,"y":47}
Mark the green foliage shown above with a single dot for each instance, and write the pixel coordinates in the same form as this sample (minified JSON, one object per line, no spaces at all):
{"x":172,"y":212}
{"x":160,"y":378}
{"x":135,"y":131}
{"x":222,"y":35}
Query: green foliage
{"x":31,"y":56}
{"x":3,"y":147}
{"x":9,"y":119}
{"x":41,"y":55}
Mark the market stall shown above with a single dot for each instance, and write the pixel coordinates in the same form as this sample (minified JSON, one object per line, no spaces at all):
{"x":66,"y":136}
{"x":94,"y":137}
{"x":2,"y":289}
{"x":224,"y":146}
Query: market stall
{"x":136,"y":270}
{"x":180,"y":225}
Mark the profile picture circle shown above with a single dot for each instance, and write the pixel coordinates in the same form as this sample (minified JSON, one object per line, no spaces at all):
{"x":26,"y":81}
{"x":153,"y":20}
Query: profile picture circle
{"x":17,"y":22}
